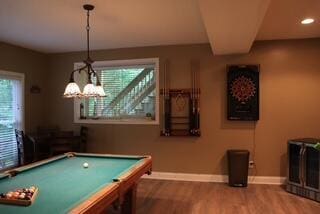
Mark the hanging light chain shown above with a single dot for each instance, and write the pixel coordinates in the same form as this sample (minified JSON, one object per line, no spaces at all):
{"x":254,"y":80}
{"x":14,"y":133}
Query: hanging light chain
{"x":88,"y":29}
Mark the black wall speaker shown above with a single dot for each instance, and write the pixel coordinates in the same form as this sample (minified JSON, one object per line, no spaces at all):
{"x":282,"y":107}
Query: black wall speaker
{"x":243,"y":92}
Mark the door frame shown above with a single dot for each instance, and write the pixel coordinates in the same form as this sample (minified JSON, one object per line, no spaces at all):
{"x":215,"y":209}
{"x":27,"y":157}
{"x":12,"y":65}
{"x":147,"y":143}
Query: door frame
{"x":20,"y":77}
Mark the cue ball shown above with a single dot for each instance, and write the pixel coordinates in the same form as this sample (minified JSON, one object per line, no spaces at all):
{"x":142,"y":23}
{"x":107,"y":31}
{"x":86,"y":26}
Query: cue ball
{"x":85,"y":165}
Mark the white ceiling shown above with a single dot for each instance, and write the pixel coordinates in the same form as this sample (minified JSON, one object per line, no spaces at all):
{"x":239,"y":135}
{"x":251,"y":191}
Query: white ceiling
{"x":282,"y":20}
{"x":230,"y":26}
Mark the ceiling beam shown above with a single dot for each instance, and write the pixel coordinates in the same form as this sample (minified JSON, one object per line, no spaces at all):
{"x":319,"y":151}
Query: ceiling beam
{"x":232,"y":25}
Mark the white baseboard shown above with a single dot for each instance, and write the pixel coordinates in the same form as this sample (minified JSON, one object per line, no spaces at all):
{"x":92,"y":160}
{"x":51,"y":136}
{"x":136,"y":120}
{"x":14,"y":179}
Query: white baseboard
{"x":212,"y":178}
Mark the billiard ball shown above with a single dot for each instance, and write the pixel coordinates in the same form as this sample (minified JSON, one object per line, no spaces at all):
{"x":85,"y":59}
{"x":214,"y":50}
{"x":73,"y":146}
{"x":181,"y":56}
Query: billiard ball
{"x":85,"y":165}
{"x":15,"y":194}
{"x":22,"y":196}
{"x":9,"y":195}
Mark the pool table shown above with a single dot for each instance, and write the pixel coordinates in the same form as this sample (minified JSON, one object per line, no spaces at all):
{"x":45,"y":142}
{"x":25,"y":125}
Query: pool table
{"x":65,"y":186}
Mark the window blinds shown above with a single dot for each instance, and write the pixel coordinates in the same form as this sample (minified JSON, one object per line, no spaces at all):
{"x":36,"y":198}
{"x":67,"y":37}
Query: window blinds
{"x":130,"y":93}
{"x":10,"y":119}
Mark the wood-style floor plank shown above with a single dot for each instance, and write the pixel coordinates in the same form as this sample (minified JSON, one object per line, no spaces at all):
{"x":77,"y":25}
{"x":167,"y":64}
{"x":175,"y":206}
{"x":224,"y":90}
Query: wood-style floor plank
{"x":181,"y":197}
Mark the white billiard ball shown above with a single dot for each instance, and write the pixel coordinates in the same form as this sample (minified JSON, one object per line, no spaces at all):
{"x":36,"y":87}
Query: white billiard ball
{"x":85,"y":165}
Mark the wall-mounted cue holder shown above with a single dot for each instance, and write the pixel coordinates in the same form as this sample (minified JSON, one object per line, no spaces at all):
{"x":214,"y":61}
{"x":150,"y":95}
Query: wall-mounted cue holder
{"x":181,"y":117}
{"x":181,"y":107}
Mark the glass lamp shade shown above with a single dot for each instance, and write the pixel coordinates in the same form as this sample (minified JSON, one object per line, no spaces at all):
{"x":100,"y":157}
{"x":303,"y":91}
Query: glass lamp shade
{"x":100,"y":91}
{"x":90,"y":90}
{"x":72,"y":90}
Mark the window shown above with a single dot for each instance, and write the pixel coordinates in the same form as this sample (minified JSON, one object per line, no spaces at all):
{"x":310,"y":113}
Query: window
{"x":132,"y":93}
{"x":11,"y":116}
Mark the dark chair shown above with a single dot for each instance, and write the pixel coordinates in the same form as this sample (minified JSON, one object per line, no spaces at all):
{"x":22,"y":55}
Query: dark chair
{"x":24,"y":150}
{"x":20,"y":142}
{"x":40,"y":144}
{"x":83,"y":138}
{"x":44,"y":140}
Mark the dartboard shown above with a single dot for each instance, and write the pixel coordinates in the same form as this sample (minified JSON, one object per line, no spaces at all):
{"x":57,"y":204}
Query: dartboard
{"x":242,"y":89}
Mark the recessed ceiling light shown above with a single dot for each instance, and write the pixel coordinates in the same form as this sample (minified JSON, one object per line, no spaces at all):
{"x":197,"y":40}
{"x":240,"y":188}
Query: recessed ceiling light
{"x":307,"y":21}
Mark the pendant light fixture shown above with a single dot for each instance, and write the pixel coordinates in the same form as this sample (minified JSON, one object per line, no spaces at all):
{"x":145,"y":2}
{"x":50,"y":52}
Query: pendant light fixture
{"x":90,"y":90}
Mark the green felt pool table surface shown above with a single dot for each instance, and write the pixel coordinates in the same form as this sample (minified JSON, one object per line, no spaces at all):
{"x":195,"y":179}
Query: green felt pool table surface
{"x":64,"y":183}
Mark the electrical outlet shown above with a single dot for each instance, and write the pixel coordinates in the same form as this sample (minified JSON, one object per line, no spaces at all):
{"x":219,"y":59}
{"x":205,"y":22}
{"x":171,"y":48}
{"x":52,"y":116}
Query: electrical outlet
{"x":251,"y":164}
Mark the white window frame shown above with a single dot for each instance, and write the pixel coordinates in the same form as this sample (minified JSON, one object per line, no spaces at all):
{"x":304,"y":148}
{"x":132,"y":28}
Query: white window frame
{"x":119,"y":63}
{"x":20,"y":77}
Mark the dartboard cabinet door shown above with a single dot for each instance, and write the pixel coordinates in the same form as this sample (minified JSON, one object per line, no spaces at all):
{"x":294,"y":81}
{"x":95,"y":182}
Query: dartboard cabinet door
{"x":243,"y":92}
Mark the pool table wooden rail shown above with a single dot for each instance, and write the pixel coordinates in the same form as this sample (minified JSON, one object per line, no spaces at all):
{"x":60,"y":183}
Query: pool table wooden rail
{"x":13,"y":172}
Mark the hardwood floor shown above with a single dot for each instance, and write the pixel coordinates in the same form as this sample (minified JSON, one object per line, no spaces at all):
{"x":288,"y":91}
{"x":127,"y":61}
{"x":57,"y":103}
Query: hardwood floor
{"x":181,"y":197}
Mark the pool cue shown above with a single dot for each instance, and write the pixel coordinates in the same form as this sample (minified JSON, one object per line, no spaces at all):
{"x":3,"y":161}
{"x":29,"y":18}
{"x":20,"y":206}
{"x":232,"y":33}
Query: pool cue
{"x":167,"y":103}
{"x":164,"y":100}
{"x":198,"y":100}
{"x":191,"y":102}
{"x":193,"y":99}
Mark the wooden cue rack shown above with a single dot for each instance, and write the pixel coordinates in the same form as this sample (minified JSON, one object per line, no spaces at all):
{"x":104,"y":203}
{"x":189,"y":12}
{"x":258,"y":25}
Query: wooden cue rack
{"x":181,"y":107}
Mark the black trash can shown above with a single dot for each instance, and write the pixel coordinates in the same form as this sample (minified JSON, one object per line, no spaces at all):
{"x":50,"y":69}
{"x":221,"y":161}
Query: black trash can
{"x":238,"y":164}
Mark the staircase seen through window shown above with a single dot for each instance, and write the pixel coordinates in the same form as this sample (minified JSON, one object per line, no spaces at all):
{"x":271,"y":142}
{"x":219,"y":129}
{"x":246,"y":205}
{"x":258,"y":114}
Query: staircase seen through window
{"x":131,"y":93}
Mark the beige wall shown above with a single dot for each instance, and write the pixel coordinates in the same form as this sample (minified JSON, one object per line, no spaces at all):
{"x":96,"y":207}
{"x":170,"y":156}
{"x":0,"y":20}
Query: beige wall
{"x":289,"y":106}
{"x":34,"y":65}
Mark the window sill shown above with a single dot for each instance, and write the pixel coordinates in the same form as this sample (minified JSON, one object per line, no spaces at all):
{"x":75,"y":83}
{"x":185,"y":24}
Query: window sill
{"x":123,"y":122}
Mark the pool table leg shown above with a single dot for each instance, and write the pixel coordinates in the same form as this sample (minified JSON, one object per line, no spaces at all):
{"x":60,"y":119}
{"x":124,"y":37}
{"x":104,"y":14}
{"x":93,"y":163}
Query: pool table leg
{"x":129,"y":200}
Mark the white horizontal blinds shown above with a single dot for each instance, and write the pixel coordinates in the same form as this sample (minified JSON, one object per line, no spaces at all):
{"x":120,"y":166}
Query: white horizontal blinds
{"x":10,"y":118}
{"x":130,"y":93}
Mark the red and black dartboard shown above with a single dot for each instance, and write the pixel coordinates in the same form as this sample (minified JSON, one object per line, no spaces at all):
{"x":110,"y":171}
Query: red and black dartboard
{"x":243,"y":88}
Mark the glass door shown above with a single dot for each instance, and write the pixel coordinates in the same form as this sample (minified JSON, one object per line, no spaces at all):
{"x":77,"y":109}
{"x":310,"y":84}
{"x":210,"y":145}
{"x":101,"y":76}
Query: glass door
{"x":11,"y":117}
{"x":311,"y":167}
{"x":294,"y":162}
